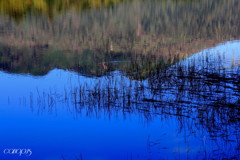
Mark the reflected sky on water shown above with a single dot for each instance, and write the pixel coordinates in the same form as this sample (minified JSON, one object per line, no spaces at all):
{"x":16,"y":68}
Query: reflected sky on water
{"x":65,"y":114}
{"x":120,"y":79}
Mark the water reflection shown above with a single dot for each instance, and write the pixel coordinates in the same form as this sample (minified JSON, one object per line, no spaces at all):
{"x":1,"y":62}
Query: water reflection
{"x":197,"y":98}
{"x":161,"y":28}
{"x":38,"y":61}
{"x":208,"y":78}
{"x":119,"y":79}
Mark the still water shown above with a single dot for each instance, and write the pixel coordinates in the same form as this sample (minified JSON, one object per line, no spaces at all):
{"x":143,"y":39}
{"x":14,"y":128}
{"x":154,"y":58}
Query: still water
{"x":68,"y":115}
{"x":120,"y":79}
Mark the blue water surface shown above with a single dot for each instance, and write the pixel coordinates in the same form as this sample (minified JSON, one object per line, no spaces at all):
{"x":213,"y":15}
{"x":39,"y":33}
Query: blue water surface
{"x":35,"y":115}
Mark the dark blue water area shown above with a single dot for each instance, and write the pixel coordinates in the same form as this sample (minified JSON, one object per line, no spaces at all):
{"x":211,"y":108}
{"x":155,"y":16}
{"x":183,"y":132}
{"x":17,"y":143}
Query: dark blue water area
{"x":39,"y":113}
{"x":57,"y":134}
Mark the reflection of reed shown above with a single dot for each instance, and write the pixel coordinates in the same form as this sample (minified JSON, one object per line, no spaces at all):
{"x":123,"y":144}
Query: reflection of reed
{"x":178,"y":87}
{"x":200,"y":93}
